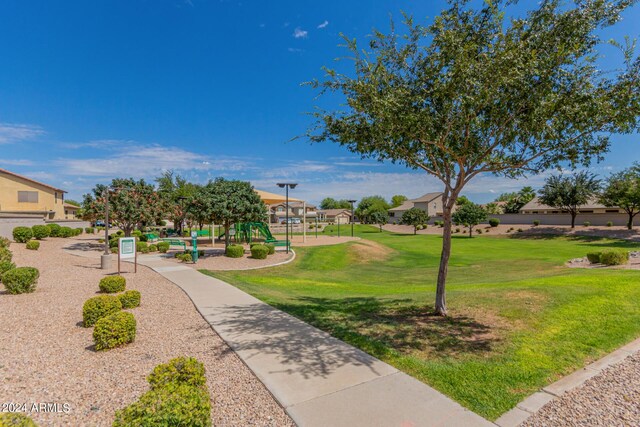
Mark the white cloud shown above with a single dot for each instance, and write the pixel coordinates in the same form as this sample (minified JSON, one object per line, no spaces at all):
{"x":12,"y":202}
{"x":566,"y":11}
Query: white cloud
{"x":11,"y":132}
{"x":323,"y":25}
{"x":17,"y":162}
{"x":295,"y":50}
{"x":299,"y":33}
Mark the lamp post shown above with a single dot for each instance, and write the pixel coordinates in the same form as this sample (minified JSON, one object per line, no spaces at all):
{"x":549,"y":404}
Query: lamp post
{"x":105,"y":259}
{"x":352,"y":202}
{"x":182,"y":199}
{"x":286,"y":186}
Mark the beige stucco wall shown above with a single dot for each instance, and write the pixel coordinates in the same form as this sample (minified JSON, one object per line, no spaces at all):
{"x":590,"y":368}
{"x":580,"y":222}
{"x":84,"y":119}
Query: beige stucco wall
{"x":9,"y":187}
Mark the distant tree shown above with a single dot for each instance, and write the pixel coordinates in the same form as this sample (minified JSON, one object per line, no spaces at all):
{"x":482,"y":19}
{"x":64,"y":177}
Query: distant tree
{"x":414,"y":217}
{"x":515,"y":201}
{"x":494,"y":208}
{"x":482,"y":90}
{"x":463,"y":200}
{"x":380,"y":217}
{"x":368,"y":205}
{"x":397,"y":200}
{"x":331,"y":203}
{"x":73,"y":202}
{"x":470,"y":215}
{"x":228,"y":202}
{"x":131,"y":203}
{"x":622,"y":190}
{"x":177,"y":194}
{"x":568,"y":193}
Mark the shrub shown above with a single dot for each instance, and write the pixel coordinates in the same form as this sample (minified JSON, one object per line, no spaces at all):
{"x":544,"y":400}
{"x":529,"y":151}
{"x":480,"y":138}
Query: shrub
{"x":33,"y":245}
{"x":143,"y":238}
{"x":113,"y":241}
{"x":129,"y":299}
{"x":16,"y":419}
{"x":418,"y":227}
{"x":144,"y":249}
{"x":173,"y":405}
{"x":594,"y":257}
{"x":22,"y":234}
{"x":259,"y":252}
{"x":4,"y":242}
{"x":114,"y":250}
{"x":614,"y":257}
{"x":586,"y":224}
{"x":140,"y":246}
{"x":5,"y":255}
{"x":54,"y":230}
{"x":153,"y":248}
{"x":536,"y":222}
{"x":478,"y":231}
{"x":98,"y":307}
{"x":135,"y":233}
{"x":6,"y":266}
{"x":520,"y":230}
{"x":494,"y":222}
{"x":100,"y":240}
{"x":163,"y":247}
{"x":78,"y":231}
{"x":185,"y":257}
{"x":120,"y":233}
{"x":162,"y":223}
{"x":40,"y":232}
{"x":112,"y":284}
{"x":181,"y":370}
{"x":65,"y":232}
{"x":457,"y":230}
{"x":610,"y":224}
{"x":90,"y":230}
{"x":234,"y":251}
{"x":271,"y":247}
{"x":20,"y":280}
{"x":114,"y":330}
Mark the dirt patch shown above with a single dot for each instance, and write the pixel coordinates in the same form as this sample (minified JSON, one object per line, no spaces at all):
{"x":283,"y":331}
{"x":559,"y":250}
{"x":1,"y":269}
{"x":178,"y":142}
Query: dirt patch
{"x":366,"y":251}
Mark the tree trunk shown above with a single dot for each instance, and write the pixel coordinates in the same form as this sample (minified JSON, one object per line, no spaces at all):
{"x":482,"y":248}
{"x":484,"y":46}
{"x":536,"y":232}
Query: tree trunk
{"x":470,"y":232}
{"x":227,"y":225}
{"x":573,"y":219}
{"x":415,"y":230}
{"x":630,"y":222}
{"x":441,"y":301}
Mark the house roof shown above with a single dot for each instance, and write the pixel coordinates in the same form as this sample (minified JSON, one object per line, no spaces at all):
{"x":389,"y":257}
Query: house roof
{"x":6,"y":172}
{"x":408,"y":204}
{"x":536,"y":205}
{"x":273,"y":198}
{"x":334,"y":212}
{"x":70,"y":206}
{"x":294,"y":204}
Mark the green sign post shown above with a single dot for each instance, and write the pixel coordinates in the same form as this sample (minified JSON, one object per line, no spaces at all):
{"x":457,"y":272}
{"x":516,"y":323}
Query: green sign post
{"x":194,"y":244}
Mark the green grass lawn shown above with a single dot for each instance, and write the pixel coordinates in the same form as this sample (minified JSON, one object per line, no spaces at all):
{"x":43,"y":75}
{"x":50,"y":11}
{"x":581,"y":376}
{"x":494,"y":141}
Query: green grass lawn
{"x":518,"y":318}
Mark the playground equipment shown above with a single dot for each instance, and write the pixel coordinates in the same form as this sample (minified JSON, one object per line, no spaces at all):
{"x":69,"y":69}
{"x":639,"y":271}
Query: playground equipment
{"x":244,"y":232}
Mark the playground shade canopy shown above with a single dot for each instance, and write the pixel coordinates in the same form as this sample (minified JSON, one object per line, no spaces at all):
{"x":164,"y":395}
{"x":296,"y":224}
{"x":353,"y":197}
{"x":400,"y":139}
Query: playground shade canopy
{"x":273,"y":198}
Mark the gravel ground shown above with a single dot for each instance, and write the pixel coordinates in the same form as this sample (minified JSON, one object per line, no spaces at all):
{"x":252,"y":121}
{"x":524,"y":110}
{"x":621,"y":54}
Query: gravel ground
{"x":47,"y":356}
{"x":215,"y":260}
{"x":611,"y":398}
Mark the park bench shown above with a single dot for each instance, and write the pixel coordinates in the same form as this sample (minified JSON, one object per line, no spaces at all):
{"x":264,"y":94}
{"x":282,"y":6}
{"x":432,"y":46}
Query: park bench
{"x":175,"y":242}
{"x":151,"y":237}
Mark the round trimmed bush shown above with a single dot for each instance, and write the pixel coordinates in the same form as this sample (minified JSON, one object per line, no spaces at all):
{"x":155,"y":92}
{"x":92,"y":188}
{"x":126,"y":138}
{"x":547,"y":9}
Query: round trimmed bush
{"x":40,"y":232}
{"x":609,"y":223}
{"x":112,"y":284}
{"x":4,"y":242}
{"x":185,"y":257}
{"x":113,"y":241}
{"x":90,"y":230}
{"x":65,"y":232}
{"x":77,"y":231}
{"x":33,"y":245}
{"x":536,"y":222}
{"x":114,"y":250}
{"x":153,"y":248}
{"x":614,"y":257}
{"x":259,"y":252}
{"x":586,"y":224}
{"x":141,"y":246}
{"x":5,"y":255}
{"x":98,"y":307}
{"x":114,"y":330}
{"x":271,"y":247}
{"x":21,"y":280}
{"x":181,"y":370}
{"x":594,"y":257}
{"x":22,"y":234}
{"x":494,"y":222}
{"x":129,"y":299}
{"x":16,"y":419}
{"x":54,"y":230}
{"x":163,"y":247}
{"x":6,"y":266}
{"x":234,"y":251}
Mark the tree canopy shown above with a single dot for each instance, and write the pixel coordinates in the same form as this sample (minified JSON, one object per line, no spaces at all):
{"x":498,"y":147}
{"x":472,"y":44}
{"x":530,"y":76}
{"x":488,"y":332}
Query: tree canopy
{"x":470,"y":215}
{"x":482,"y":91}
{"x":414,"y":217}
{"x":178,"y":194}
{"x":622,"y":190}
{"x":568,"y":193}
{"x":331,"y":203}
{"x":380,"y":218}
{"x":397,"y":200}
{"x":516,"y":200}
{"x":368,"y":206}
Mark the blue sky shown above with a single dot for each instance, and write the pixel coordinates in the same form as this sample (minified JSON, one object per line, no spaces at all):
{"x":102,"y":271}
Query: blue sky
{"x":101,"y":89}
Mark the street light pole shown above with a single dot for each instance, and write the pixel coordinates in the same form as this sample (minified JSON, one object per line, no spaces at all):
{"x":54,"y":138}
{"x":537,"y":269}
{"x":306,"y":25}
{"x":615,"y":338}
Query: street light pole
{"x":105,"y":259}
{"x":286,"y":186}
{"x":352,"y":220}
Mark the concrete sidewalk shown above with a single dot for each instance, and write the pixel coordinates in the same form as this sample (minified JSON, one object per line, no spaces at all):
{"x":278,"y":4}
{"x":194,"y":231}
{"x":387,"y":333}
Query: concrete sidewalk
{"x":319,"y":380}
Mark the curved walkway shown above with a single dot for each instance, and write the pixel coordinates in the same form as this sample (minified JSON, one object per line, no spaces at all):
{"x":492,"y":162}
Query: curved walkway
{"x":318,"y":379}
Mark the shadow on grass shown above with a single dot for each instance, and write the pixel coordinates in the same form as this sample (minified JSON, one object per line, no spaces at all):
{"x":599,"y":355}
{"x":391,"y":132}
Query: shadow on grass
{"x":382,"y":326}
{"x":579,"y":236}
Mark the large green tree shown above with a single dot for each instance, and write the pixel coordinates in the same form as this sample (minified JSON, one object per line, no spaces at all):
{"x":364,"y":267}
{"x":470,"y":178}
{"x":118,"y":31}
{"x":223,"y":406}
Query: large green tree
{"x":569,"y":193}
{"x":380,"y":218}
{"x":368,"y":205}
{"x":178,"y":193}
{"x":397,"y":200}
{"x":622,"y":190}
{"x":469,"y":215}
{"x":515,"y":201}
{"x":414,"y":217}
{"x":331,"y":203}
{"x":481,"y":91}
{"x":228,"y":202}
{"x":131,"y":204}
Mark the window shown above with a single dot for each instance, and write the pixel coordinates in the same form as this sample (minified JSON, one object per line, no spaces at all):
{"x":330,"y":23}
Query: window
{"x":612,"y":211}
{"x":27,"y":197}
{"x":56,"y":197}
{"x":392,"y":214}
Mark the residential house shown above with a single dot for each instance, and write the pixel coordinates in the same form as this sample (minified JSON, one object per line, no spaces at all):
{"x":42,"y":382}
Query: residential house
{"x":20,"y":195}
{"x":592,"y":207}
{"x":71,"y":211}
{"x":431,"y":203}
{"x":334,"y":215}
{"x":278,"y":211}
